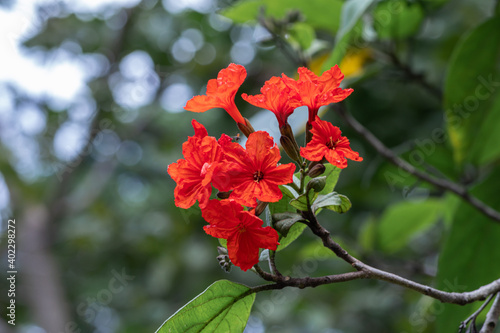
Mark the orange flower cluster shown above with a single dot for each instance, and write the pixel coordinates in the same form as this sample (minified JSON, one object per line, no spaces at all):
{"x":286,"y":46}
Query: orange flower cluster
{"x":254,"y":173}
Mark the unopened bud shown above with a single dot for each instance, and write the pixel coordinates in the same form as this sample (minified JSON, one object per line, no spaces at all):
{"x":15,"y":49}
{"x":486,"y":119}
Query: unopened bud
{"x":309,"y":135}
{"x":246,"y":128}
{"x":261,"y":205}
{"x":223,"y":195}
{"x":316,"y":170}
{"x":317,"y":184}
{"x":290,"y":149}
{"x":289,"y":144}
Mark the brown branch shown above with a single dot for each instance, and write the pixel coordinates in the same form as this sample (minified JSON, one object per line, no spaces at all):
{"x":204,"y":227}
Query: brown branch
{"x":492,"y":316}
{"x":397,"y":161}
{"x":272,"y":263}
{"x":365,"y":271}
{"x":374,"y":273}
{"x":472,"y":318}
{"x":287,"y":281}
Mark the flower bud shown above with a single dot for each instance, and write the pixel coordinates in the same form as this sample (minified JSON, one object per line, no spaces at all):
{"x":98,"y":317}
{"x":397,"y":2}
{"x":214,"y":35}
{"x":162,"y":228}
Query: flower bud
{"x":261,"y":205}
{"x":317,"y":184}
{"x":246,"y":128}
{"x":316,"y":169}
{"x":289,"y":144}
{"x":289,"y":148}
{"x":309,"y":135}
{"x":223,"y":195}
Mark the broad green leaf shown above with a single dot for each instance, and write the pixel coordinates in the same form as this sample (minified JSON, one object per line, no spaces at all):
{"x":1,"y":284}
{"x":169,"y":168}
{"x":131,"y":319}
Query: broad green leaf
{"x":330,"y":199}
{"x":264,"y":255}
{"x":320,"y":14}
{"x":344,"y":206}
{"x":401,"y":221}
{"x":470,"y":254}
{"x":223,"y":307}
{"x":303,"y":34}
{"x":281,"y":206}
{"x":471,"y":95}
{"x":300,"y":202}
{"x":368,"y":234}
{"x":284,"y":221}
{"x":397,"y":19}
{"x":294,"y":232}
{"x":351,"y":13}
{"x":288,"y":191}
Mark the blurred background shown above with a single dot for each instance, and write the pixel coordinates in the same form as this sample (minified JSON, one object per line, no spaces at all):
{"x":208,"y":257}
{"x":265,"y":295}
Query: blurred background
{"x":91,"y":115}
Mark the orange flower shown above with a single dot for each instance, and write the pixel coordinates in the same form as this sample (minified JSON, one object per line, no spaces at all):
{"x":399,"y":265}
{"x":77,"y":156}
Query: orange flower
{"x":315,"y":91}
{"x":253,"y":173}
{"x":221,"y":92}
{"x":277,"y":97}
{"x":243,"y":231}
{"x":194,"y":174}
{"x":327,"y":142}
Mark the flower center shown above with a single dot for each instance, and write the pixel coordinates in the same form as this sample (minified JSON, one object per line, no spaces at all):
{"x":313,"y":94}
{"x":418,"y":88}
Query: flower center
{"x":331,"y":144}
{"x":204,"y":168}
{"x":241,"y":228}
{"x":257,"y":176}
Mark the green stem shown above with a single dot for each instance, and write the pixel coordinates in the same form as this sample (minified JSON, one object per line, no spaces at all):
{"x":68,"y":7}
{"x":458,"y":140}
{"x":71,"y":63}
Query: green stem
{"x":295,"y":187}
{"x":302,"y":180}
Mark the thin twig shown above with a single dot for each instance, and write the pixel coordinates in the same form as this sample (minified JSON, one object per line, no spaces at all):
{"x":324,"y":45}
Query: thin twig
{"x":397,"y":161}
{"x":272,"y":263}
{"x":473,"y":317}
{"x":492,"y":317}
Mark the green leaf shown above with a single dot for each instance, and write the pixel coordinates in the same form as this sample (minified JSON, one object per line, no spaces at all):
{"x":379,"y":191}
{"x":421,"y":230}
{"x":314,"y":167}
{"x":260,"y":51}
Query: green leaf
{"x":294,"y":232}
{"x":397,"y":19}
{"x":401,"y":221}
{"x":330,"y":199}
{"x":344,"y":206}
{"x":351,"y":13}
{"x":223,"y":307}
{"x":303,"y":34}
{"x":471,"y":95}
{"x":470,"y":254}
{"x":264,"y":255}
{"x":281,"y":206}
{"x":368,"y":234}
{"x":320,"y":14}
{"x":282,"y":222}
{"x":333,"y":201}
{"x":301,"y":201}
{"x":288,"y":191}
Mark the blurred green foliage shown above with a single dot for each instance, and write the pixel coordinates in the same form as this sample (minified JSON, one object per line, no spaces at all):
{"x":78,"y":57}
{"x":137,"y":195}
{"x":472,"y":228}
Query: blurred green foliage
{"x":110,"y":201}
